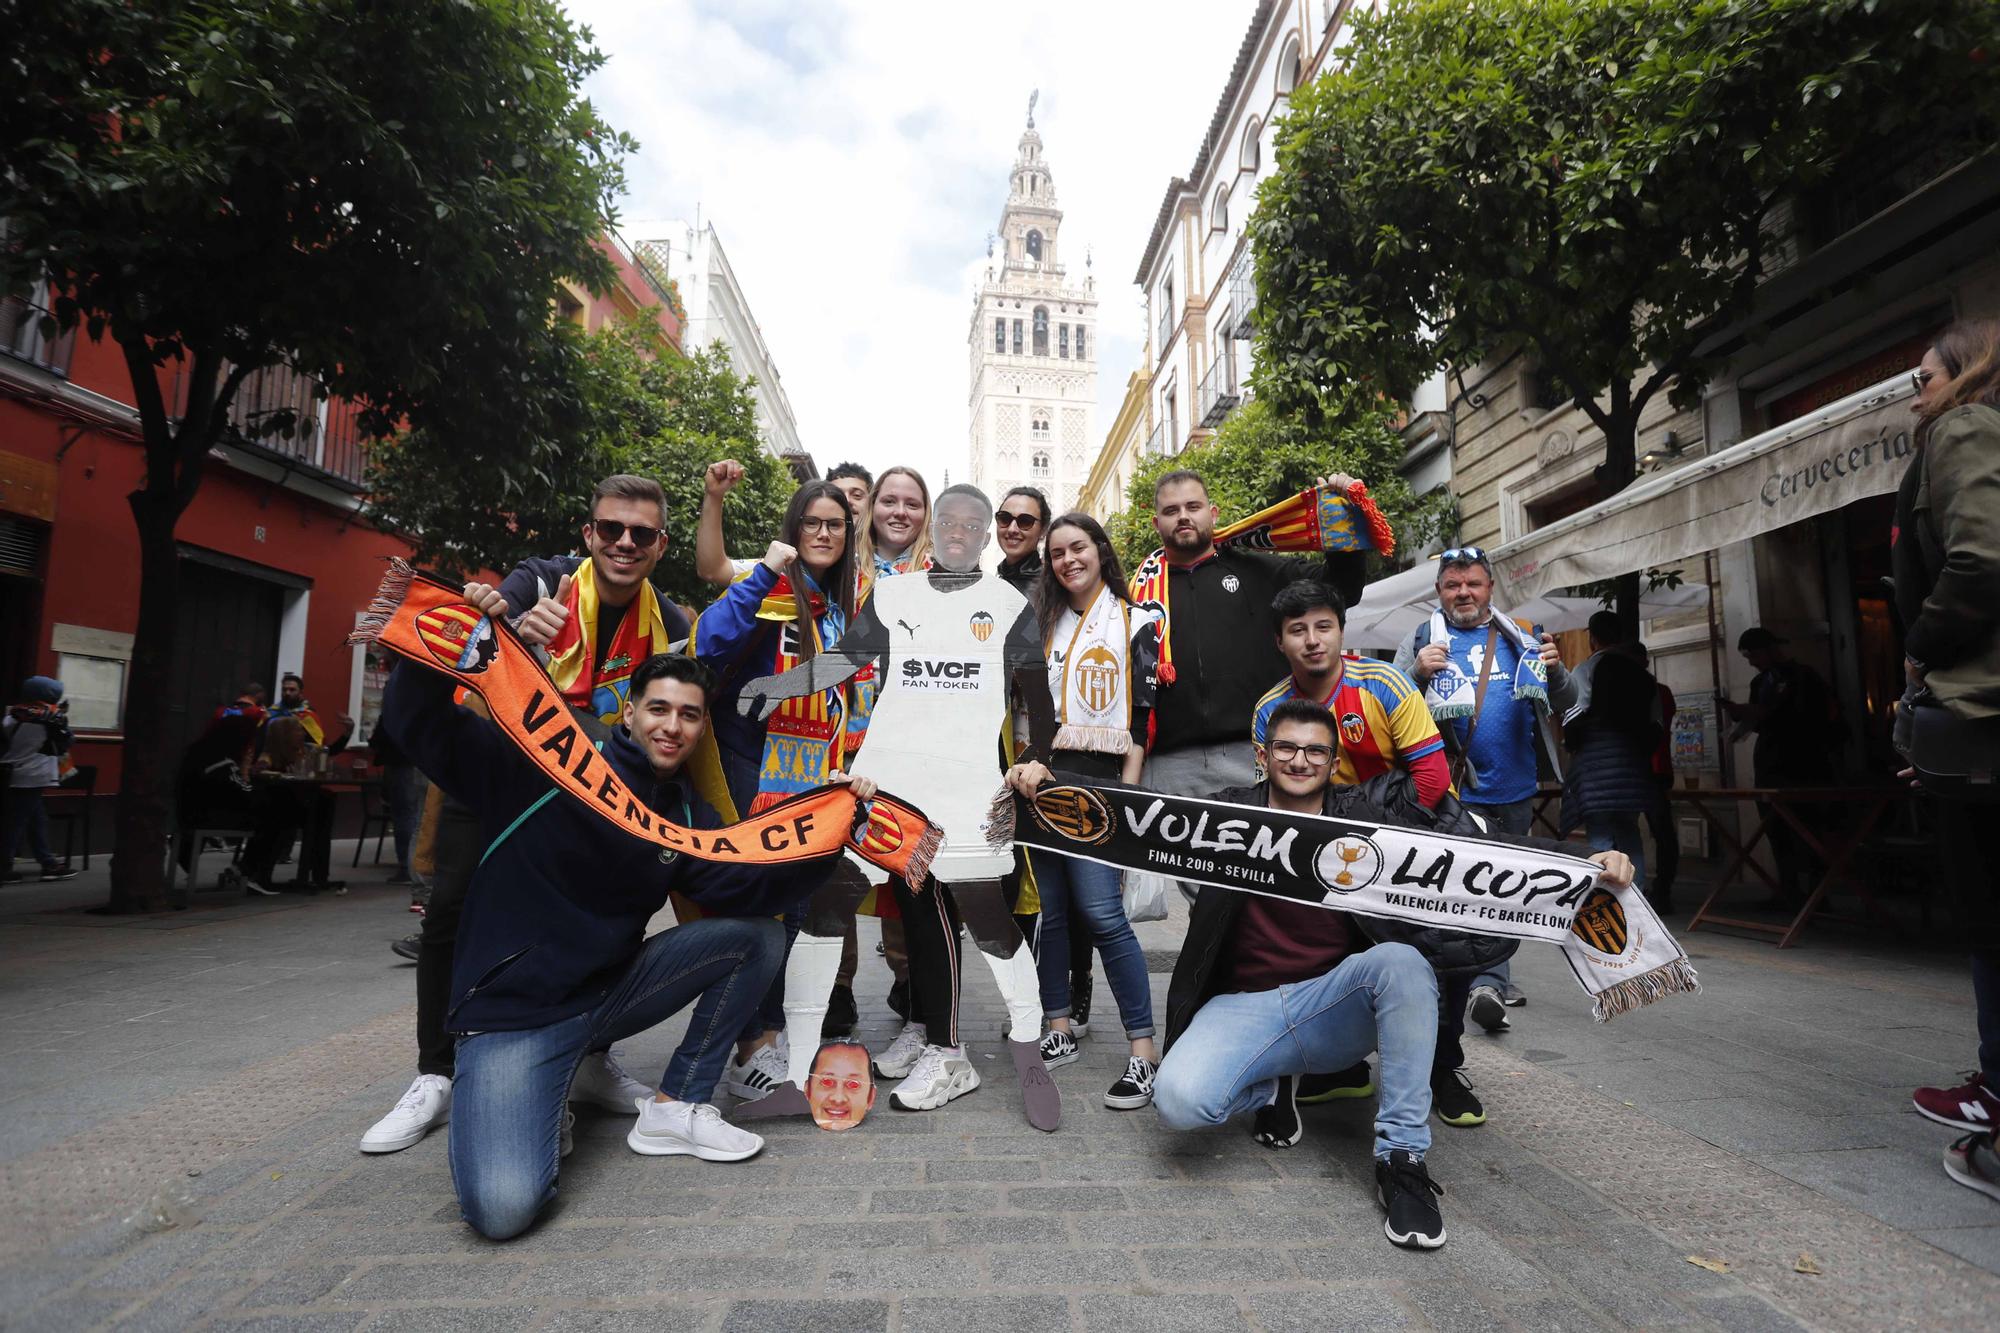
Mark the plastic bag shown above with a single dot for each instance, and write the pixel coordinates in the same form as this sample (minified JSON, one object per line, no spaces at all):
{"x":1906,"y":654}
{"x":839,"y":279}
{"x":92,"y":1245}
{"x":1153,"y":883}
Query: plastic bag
{"x":1145,"y":896}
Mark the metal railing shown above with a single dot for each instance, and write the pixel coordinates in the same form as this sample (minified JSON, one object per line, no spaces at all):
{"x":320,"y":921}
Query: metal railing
{"x":1242,"y":297}
{"x":1156,"y":443}
{"x":21,"y":336}
{"x":1166,"y":330}
{"x":1220,"y":394}
{"x":280,"y":410}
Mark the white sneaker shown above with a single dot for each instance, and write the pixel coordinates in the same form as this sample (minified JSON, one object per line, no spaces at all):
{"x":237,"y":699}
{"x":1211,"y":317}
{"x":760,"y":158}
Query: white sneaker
{"x":903,"y":1052}
{"x":603,"y":1083}
{"x":690,"y":1129}
{"x":938,"y":1077}
{"x":767,"y":1067}
{"x":424,"y":1107}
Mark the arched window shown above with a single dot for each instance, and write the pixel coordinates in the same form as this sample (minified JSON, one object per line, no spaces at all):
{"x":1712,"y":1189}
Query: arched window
{"x":1252,"y":155}
{"x":1218,"y":213}
{"x":1041,"y":328}
{"x":999,"y":335}
{"x":1038,"y":425}
{"x":1038,"y":463}
{"x":1079,"y":342}
{"x":1035,"y":246}
{"x":1289,"y":66}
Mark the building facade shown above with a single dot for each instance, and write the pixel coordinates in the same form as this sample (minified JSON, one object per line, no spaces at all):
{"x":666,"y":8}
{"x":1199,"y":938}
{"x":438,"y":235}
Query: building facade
{"x":1032,"y":347}
{"x":277,"y":556}
{"x":690,"y":257}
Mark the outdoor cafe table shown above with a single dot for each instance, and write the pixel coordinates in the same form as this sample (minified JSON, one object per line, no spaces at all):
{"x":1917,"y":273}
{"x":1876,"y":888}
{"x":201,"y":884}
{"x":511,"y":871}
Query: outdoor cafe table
{"x":1834,"y":842}
{"x":317,"y":797}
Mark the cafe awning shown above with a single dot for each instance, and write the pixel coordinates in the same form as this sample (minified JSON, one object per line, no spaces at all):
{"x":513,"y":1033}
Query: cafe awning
{"x":1851,"y":449}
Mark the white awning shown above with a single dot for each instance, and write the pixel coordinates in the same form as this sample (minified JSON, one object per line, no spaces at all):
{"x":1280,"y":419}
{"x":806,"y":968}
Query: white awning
{"x":1846,"y":451}
{"x":1380,"y":621}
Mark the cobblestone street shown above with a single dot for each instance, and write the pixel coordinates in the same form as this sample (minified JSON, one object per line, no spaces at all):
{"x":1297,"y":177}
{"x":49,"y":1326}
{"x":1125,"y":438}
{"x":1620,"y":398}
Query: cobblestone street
{"x":183,"y":1095}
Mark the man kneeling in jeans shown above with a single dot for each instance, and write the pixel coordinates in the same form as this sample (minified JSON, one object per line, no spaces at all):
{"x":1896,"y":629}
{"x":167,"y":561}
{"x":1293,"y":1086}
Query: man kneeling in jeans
{"x":552,"y":959}
{"x":1267,"y":989}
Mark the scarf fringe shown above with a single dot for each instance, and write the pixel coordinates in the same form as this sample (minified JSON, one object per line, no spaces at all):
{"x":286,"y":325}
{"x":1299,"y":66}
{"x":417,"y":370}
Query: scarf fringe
{"x":999,"y":825}
{"x":1099,"y":740}
{"x":1675,"y":978}
{"x":388,"y":599}
{"x":917,"y":872}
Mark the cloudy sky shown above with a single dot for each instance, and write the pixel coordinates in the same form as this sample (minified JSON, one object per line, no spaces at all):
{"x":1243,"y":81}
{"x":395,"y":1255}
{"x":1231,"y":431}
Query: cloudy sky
{"x":853,"y":155}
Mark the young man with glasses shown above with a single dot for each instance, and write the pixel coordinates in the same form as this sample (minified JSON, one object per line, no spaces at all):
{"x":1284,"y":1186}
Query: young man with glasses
{"x":597,"y":628}
{"x":1268,"y":989}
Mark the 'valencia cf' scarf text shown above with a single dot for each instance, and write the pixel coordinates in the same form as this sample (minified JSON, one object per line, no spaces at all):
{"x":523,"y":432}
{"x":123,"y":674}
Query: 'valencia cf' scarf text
{"x":1613,"y":941}
{"x":422,"y":619}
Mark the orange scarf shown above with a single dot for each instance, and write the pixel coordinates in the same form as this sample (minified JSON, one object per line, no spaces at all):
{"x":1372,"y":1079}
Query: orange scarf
{"x":1312,"y":520}
{"x":420,"y":618}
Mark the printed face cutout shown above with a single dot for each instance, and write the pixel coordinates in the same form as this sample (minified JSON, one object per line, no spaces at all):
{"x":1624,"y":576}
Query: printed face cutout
{"x":841,"y":1087}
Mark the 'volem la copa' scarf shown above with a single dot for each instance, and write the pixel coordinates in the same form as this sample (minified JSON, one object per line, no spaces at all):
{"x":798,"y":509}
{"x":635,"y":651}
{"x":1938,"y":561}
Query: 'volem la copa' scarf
{"x":1319,"y":519}
{"x":424,"y":620}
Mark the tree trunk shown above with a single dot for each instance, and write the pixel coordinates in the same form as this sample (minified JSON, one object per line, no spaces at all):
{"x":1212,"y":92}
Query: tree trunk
{"x":138,"y":862}
{"x":1621,"y":466}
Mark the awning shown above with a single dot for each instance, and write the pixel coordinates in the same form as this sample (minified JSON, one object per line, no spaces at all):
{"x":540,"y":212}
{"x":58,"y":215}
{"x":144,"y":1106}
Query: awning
{"x":1378,"y":622}
{"x":1846,"y":451}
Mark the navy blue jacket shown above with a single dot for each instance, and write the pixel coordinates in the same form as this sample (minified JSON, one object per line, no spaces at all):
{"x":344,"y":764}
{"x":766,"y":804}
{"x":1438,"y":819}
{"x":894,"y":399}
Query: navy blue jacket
{"x":558,"y":908}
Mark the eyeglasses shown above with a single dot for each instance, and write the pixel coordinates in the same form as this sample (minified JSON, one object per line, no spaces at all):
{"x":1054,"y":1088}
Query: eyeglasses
{"x":812,"y":527}
{"x":1007,"y":520}
{"x":1459,"y":555}
{"x":962,"y":527}
{"x":609,"y":530}
{"x":1921,"y":378}
{"x":1286,"y":751}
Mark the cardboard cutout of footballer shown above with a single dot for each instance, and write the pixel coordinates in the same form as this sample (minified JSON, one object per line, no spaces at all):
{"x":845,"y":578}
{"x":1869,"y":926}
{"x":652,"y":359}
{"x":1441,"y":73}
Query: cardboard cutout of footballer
{"x":947,"y":643}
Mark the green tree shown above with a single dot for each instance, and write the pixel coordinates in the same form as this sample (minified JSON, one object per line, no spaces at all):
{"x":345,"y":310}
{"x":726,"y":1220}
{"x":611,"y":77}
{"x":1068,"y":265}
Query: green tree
{"x":1588,"y":180}
{"x":384,"y":196}
{"x":1259,"y":456}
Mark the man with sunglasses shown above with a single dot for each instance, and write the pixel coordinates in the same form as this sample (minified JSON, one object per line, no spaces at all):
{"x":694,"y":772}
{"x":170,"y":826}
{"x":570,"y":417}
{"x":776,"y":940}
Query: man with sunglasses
{"x":598,"y":629}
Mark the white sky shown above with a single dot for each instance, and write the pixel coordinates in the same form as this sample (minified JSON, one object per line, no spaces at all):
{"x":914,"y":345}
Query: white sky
{"x":853,"y":155}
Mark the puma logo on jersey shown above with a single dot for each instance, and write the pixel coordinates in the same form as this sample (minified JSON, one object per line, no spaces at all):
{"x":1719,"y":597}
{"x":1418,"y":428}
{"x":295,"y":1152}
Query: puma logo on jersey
{"x":911,"y":628}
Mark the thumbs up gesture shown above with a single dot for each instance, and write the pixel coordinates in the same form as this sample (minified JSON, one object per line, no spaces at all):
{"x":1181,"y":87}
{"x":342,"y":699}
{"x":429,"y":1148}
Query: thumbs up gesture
{"x":546,"y":618}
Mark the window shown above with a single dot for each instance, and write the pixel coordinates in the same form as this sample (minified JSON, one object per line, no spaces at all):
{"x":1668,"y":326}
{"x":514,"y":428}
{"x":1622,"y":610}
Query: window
{"x":92,"y":663}
{"x":1038,"y":463}
{"x":999,"y":335}
{"x":1173,"y":422}
{"x":1017,"y":337}
{"x":1252,"y":155}
{"x":1288,"y":66}
{"x":1041,"y":330}
{"x":1079,"y":342}
{"x":1063,"y":341}
{"x":21,"y":331}
{"x":1038,"y":425}
{"x":1218,"y":213}
{"x":1035,"y":244}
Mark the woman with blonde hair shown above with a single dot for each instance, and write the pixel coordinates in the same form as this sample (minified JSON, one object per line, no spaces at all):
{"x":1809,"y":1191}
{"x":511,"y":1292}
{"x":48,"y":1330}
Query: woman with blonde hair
{"x":1946,"y":557}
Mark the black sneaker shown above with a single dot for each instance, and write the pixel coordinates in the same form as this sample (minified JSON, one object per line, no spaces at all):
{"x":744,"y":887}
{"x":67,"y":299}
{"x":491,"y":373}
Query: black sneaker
{"x":54,"y":874}
{"x":407,"y":947}
{"x":1278,"y":1125}
{"x":1356,"y":1081}
{"x":1058,"y":1048}
{"x":841,"y":1013}
{"x":1405,"y":1188}
{"x":1453,"y":1100}
{"x":1135,"y":1088}
{"x":1079,"y":1005}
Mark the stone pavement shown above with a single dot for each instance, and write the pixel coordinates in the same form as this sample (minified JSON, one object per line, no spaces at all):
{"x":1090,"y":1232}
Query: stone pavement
{"x":182,"y":1097}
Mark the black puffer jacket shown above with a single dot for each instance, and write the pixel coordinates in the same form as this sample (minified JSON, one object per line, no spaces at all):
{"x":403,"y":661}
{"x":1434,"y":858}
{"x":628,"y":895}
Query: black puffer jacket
{"x":1390,"y":798}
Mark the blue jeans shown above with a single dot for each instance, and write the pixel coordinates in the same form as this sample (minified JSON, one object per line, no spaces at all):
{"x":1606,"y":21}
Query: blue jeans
{"x":403,"y":792}
{"x":26,"y":814}
{"x":1514,"y":820}
{"x":509,"y":1093}
{"x":1383,"y":999}
{"x":1618,"y":830}
{"x":1092,"y":890}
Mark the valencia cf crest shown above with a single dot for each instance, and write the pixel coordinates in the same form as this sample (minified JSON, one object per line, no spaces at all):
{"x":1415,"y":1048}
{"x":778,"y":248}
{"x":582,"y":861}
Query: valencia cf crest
{"x":1352,"y":729}
{"x":1230,"y":583}
{"x":1077,"y":813}
{"x":1600,"y":923}
{"x":1097,"y":677}
{"x":982,"y":626}
{"x":459,"y":637}
{"x":881,"y":836}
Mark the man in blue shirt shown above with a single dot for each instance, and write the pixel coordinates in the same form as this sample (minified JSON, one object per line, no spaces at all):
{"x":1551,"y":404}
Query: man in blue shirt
{"x":1498,"y":744}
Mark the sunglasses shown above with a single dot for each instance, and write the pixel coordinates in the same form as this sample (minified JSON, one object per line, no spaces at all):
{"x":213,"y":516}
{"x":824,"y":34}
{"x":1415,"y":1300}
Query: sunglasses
{"x":1921,"y":378}
{"x":1459,"y":555}
{"x":1007,"y":520}
{"x":609,"y":530}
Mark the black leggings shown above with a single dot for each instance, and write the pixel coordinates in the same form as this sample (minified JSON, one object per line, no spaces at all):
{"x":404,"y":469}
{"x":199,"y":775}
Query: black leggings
{"x":933,"y":923}
{"x":455,"y":857}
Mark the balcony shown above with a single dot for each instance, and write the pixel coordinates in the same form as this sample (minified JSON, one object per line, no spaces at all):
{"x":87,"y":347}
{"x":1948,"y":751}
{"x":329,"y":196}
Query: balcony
{"x":22,"y":336}
{"x":1220,"y":394}
{"x":1167,"y":330}
{"x":1156,"y":443}
{"x":279,"y":411}
{"x":1242,"y":297}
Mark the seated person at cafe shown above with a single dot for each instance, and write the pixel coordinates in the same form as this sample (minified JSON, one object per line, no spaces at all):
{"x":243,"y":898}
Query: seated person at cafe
{"x":277,"y":810}
{"x":1276,"y":989}
{"x":552,"y":959}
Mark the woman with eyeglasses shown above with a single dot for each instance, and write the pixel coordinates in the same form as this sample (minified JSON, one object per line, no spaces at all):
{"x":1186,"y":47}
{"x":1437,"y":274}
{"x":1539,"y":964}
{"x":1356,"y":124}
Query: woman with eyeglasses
{"x":1102,"y":653}
{"x":1946,"y":558}
{"x":790,"y":606}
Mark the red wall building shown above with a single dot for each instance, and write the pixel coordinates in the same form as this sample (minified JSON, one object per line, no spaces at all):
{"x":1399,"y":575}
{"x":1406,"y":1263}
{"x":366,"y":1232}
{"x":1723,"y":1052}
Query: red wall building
{"x":276,"y":557}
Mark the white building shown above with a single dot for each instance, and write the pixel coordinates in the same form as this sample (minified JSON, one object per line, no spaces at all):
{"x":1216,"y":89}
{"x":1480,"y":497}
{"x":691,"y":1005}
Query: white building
{"x":1033,"y":349}
{"x":719,"y":312}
